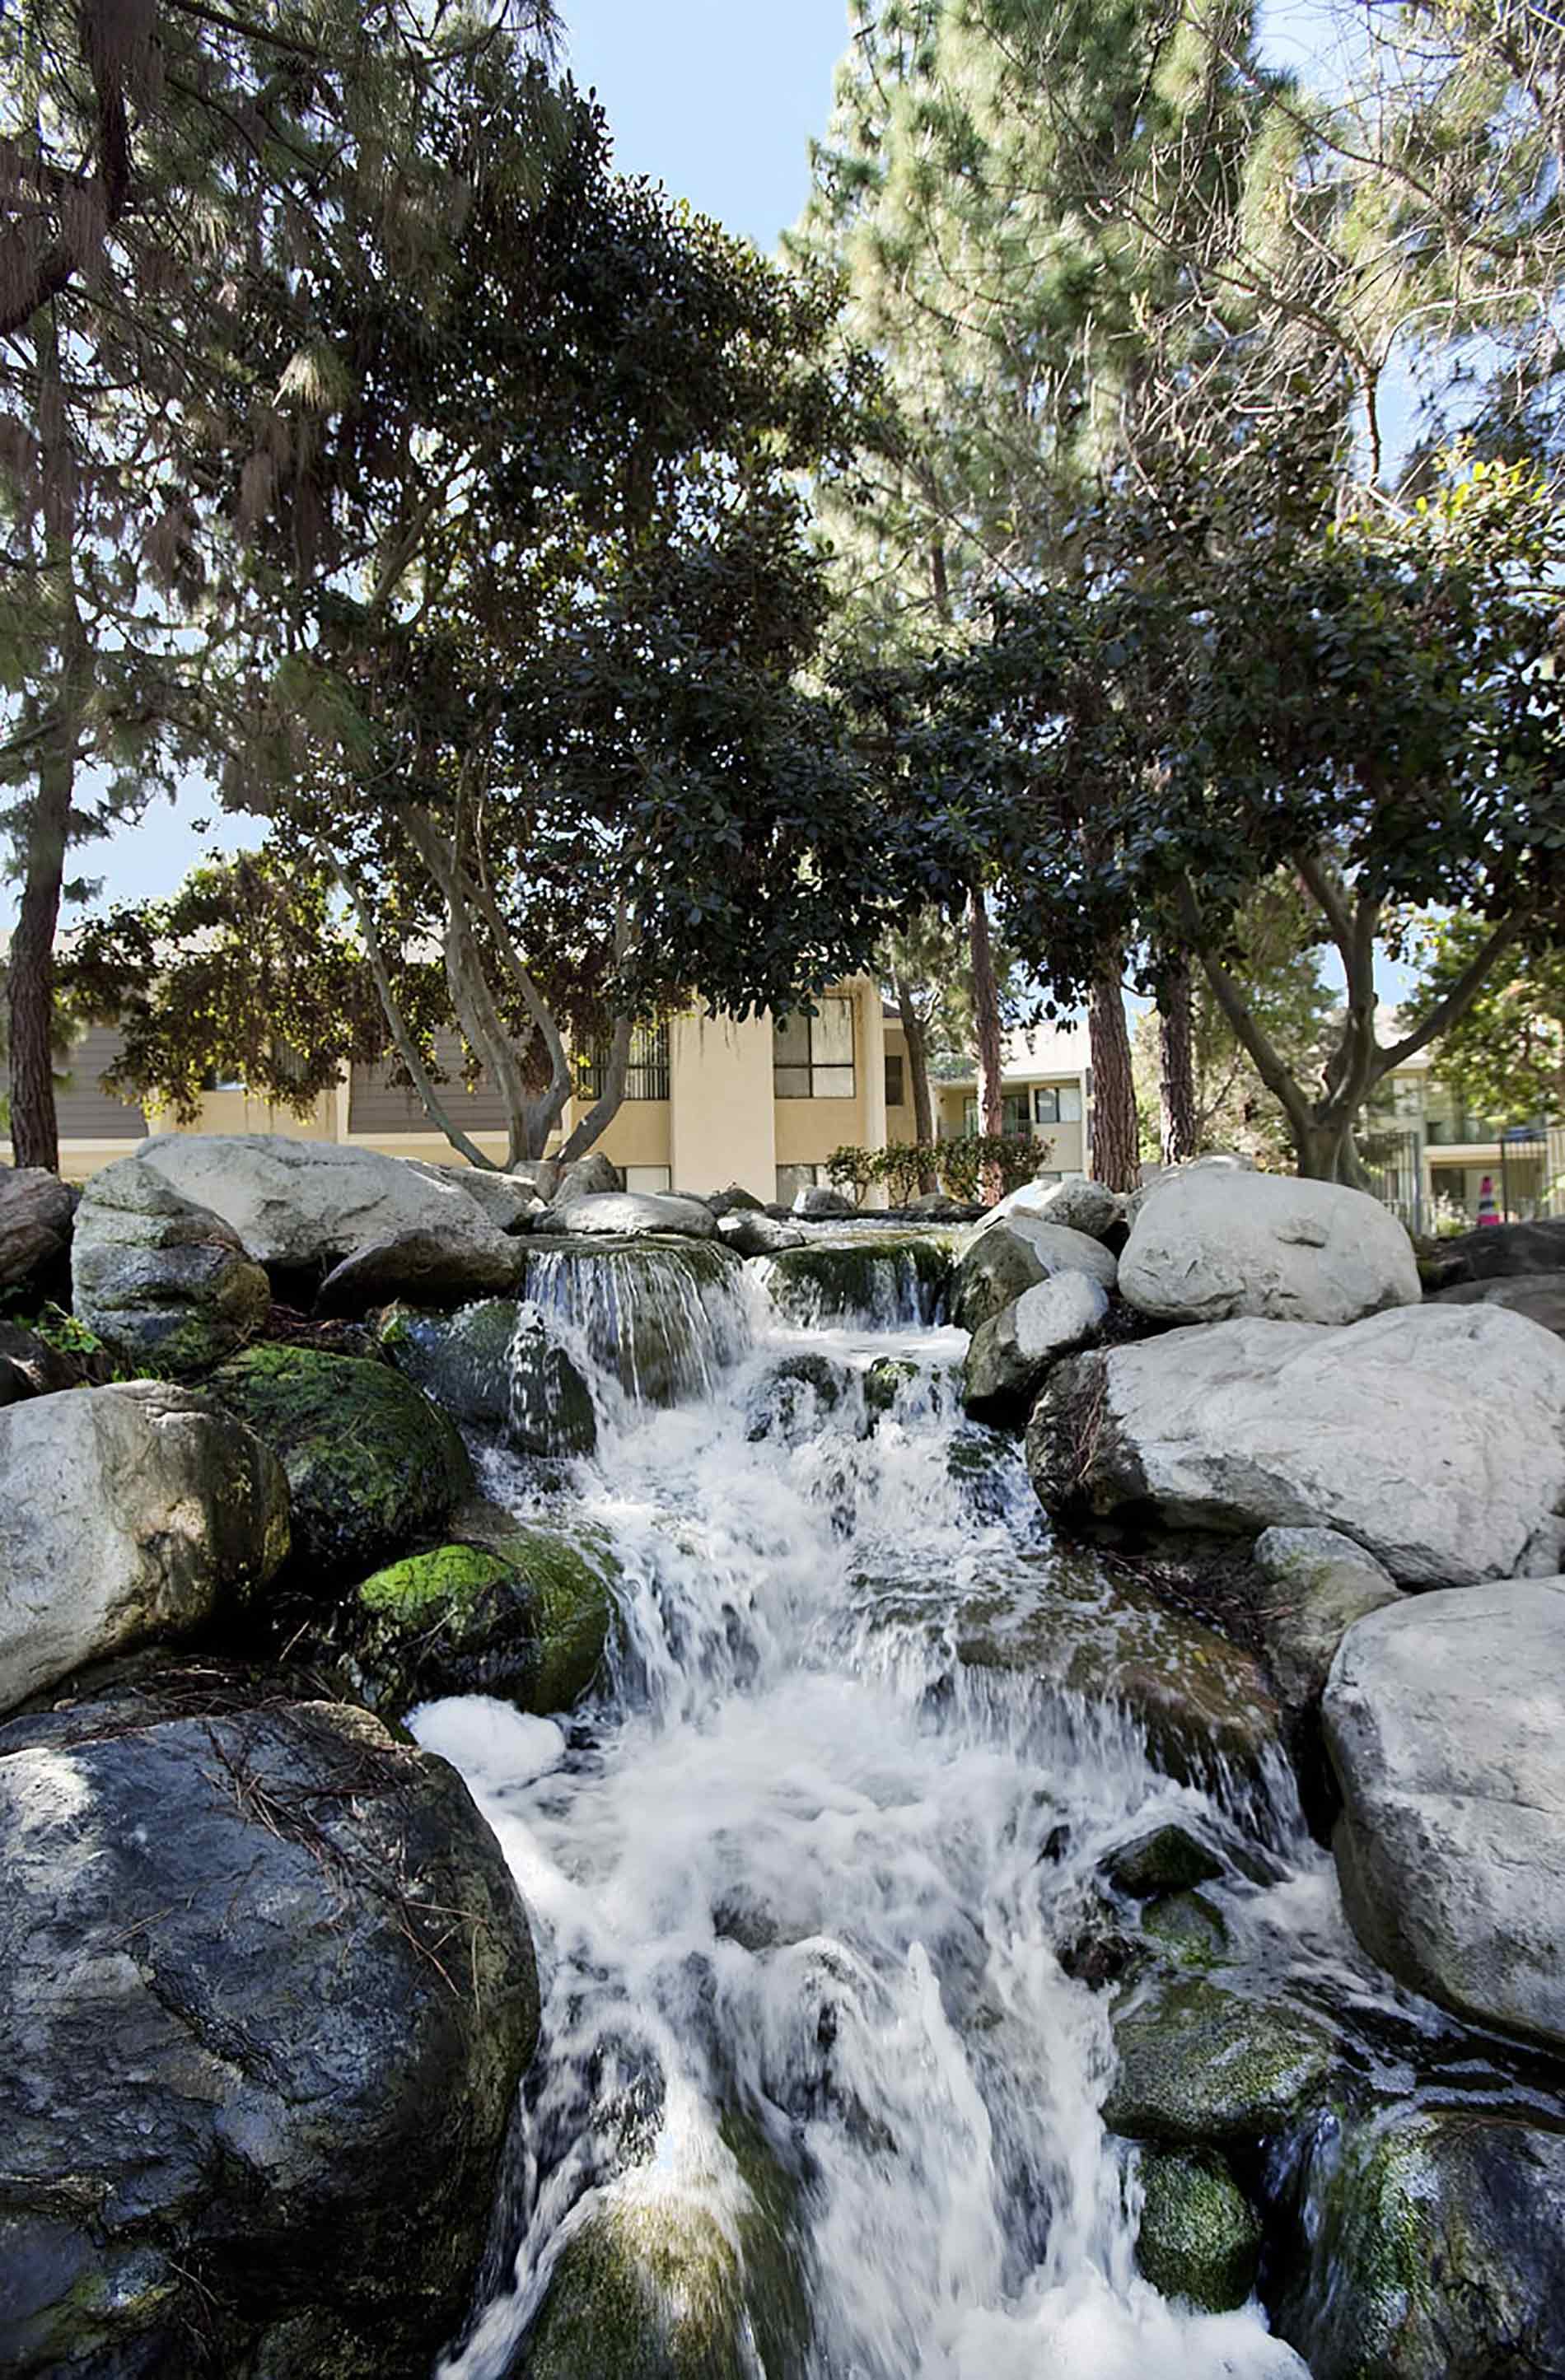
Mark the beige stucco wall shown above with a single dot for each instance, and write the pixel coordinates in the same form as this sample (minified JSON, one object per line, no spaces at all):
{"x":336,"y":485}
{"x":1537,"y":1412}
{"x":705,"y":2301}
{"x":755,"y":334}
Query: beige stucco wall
{"x":722,"y":1106}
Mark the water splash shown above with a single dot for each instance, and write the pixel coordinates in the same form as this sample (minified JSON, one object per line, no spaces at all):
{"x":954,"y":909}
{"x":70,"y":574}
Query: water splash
{"x":663,"y":1319}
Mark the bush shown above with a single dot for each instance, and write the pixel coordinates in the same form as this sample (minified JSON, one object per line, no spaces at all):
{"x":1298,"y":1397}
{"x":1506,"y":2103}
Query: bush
{"x":852,"y":1169}
{"x":902,"y":1167}
{"x":963,"y":1167}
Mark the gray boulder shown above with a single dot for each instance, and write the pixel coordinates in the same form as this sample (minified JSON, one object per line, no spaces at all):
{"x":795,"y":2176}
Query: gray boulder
{"x":1319,"y":1582}
{"x":1199,"y":2237}
{"x":1158,"y":1178}
{"x":633,"y":1215}
{"x":159,"y":1279}
{"x":35,"y":1219}
{"x":1430,"y":1436}
{"x":266,"y":1995}
{"x":751,"y":1234}
{"x":819,"y":1202}
{"x":1000,"y":1261}
{"x":1445,"y":1721}
{"x":1539,"y":1296}
{"x":299,"y":1205}
{"x":127,"y":1514}
{"x":734,"y":1200}
{"x":496,"y":1365}
{"x":586,"y":1177}
{"x":424,"y":1267}
{"x":1507,"y":1251}
{"x":1202,"y":2063}
{"x":1013,"y":1351}
{"x":1083,"y":1206}
{"x":1209,"y":1244}
{"x":508,"y":1200}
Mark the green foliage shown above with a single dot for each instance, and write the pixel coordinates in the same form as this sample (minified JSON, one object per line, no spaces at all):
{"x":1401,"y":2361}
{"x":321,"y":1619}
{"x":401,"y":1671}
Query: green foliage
{"x":966,"y":1169}
{"x":1505,"y":1057}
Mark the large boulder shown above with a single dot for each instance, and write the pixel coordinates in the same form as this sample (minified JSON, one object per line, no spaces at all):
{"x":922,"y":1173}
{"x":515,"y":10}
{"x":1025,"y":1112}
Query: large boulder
{"x":1076,"y":1206}
{"x":1505,"y":1251}
{"x":586,"y":1177}
{"x":1431,"y":2248}
{"x":1318,"y":1583}
{"x":35,"y":1219}
{"x":301,"y":1206}
{"x":820,"y":1204}
{"x":159,"y":1279}
{"x":266,"y":1994}
{"x":1209,"y":1244}
{"x":1198,"y":2237}
{"x":1011,"y":1351}
{"x":1540,"y":1296}
{"x":372,"y":1465}
{"x":636,"y":1215}
{"x":424,"y":1267}
{"x":1002,"y":1261}
{"x":510,"y":1199}
{"x":1445,"y":1721}
{"x":1202,"y":2063}
{"x":1430,"y":1436}
{"x":749,"y":1233}
{"x":127,"y":1514}
{"x":872,"y":1277}
{"x":496,"y":1366}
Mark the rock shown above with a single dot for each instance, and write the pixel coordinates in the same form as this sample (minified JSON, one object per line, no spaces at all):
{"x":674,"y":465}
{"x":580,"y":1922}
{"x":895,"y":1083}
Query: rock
{"x":1199,"y":2063}
{"x":1323,"y":1583}
{"x":633,"y":1215}
{"x":1212,"y":1244}
{"x":1202,"y":1701}
{"x":425,"y":1267}
{"x":495,"y":1367}
{"x":1445,"y":1722}
{"x":31,"y":1366}
{"x":1199,"y":2237}
{"x":1186,"y":1930}
{"x":1243,"y":1425}
{"x":664,"y":1316}
{"x":1013,"y":1351}
{"x":1003,"y":1260}
{"x":734,"y":1200}
{"x":1169,"y":1858}
{"x":1506,"y":1251}
{"x":36,"y":1207}
{"x":127,"y":1514}
{"x":1540,"y":1297}
{"x":301,"y":1206}
{"x":586,"y":1177}
{"x":1224,"y":1162}
{"x":525,"y":1618}
{"x":873,"y":1276}
{"x":823,"y":1204}
{"x":752,"y":1235}
{"x":935,"y":1207}
{"x":159,"y":1279}
{"x":372,"y":1465}
{"x":508,"y":1200}
{"x":792,"y":1395}
{"x":1080,"y":1206}
{"x":1433,"y":2244}
{"x":266,"y":1995}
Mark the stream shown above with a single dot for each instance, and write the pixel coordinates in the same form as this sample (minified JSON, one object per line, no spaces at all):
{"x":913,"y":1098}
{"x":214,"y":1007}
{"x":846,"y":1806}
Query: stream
{"x":798,"y":1880}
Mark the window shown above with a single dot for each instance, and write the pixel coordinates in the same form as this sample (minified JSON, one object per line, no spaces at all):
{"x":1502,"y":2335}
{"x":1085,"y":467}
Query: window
{"x":792,"y":1179}
{"x":1046,"y":1103}
{"x":647,"y":1077}
{"x":896,"y":1088}
{"x":218,"y":1078}
{"x":647,"y":1177}
{"x":812,"y":1056}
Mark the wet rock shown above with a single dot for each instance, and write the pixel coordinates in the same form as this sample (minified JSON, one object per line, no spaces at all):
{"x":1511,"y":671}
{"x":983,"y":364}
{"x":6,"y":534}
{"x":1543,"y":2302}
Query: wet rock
{"x":424,"y":1268}
{"x":935,"y":1207}
{"x":662,"y":1316}
{"x":1245,"y":1425}
{"x":1002,"y":1261}
{"x":750,"y":1233}
{"x":1209,"y":1244}
{"x":508,"y":1200}
{"x":887,"y":1380}
{"x":1506,"y":1251}
{"x":819,"y":1204}
{"x":1080,"y":1206}
{"x":1099,"y":1955}
{"x":734,"y":1200}
{"x":266,"y":1994}
{"x":982,"y":1463}
{"x":1013,"y":1351}
{"x":127,"y":1514}
{"x":635,"y":1215}
{"x":1199,"y":2237}
{"x":587,"y":1177}
{"x":1432,"y":2249}
{"x":1200,"y":2063}
{"x":1540,"y":1297}
{"x":525,"y":1617}
{"x":1318,"y":1583}
{"x":1202,"y":1701}
{"x":1168,"y":1859}
{"x":301,"y":1206}
{"x":793,"y":1395}
{"x":1445,"y":1722}
{"x":873,"y":1276}
{"x":1186,"y":1930}
{"x":160,"y":1279}
{"x":372,"y":1465}
{"x":496,"y":1365}
{"x":36,"y":1207}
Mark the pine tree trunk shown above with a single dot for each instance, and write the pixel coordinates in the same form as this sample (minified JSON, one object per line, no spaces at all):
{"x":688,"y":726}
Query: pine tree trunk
{"x":1116,"y":1156}
{"x":1177,"y":1072}
{"x":918,"y":1073}
{"x":986,"y":1021}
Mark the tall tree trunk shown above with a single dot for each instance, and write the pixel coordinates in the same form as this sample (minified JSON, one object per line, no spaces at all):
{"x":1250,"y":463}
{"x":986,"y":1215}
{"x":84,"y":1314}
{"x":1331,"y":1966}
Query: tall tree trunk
{"x":1176,"y":1080}
{"x":918,"y":1072}
{"x":31,"y":978}
{"x":1116,"y":1155}
{"x":986,"y":1023}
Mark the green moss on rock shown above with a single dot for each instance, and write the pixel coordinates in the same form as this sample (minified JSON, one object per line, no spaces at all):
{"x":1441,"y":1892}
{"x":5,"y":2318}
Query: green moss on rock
{"x":1168,"y":1859}
{"x":1201,"y":2063}
{"x":1199,"y":2237}
{"x":371,"y":1464}
{"x":871,"y":1277}
{"x":1186,"y":1929}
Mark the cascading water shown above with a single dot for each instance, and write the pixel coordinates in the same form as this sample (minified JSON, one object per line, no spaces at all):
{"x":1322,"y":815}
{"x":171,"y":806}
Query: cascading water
{"x":799,"y":1883}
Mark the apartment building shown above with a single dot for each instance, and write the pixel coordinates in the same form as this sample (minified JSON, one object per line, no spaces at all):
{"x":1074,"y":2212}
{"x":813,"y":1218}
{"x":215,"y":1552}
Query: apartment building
{"x":1430,"y":1156}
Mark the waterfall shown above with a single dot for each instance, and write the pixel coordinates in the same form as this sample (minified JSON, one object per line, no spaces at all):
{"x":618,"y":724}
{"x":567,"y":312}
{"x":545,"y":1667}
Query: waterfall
{"x":799,"y":1884}
{"x":664,"y":1319}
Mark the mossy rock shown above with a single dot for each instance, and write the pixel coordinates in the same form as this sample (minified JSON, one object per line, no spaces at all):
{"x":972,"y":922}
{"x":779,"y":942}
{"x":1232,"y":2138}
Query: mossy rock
{"x":496,"y":1369}
{"x":1186,"y":1930}
{"x":1200,"y":2239}
{"x":662,"y":1316}
{"x":1201,"y":2063}
{"x":1434,"y":2249}
{"x":887,"y":1383}
{"x":527,"y":1622}
{"x":794,"y":1396}
{"x":1168,"y":1859}
{"x":996,"y":1267}
{"x":372,"y":1464}
{"x":873,"y":1276}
